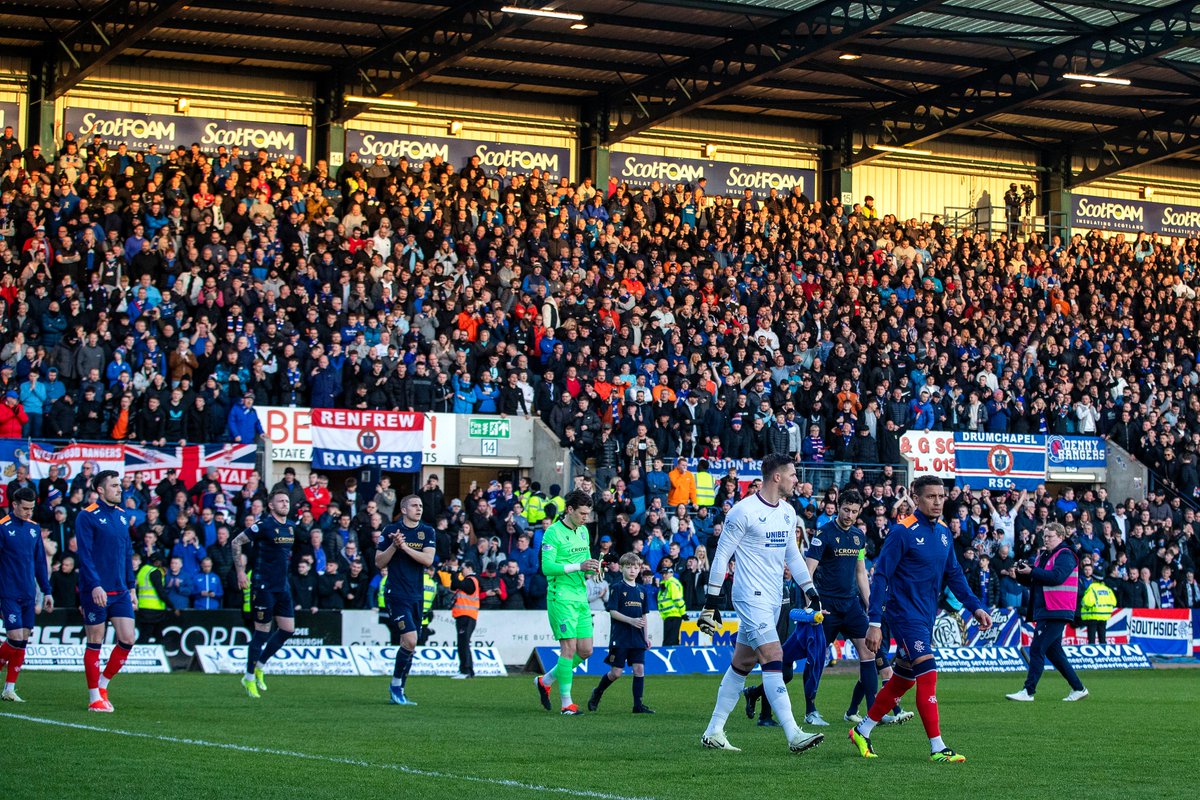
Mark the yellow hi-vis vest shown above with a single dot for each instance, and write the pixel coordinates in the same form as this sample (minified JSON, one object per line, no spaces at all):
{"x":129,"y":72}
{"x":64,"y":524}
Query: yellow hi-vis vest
{"x":430,"y":586}
{"x":670,"y":598}
{"x":706,"y":489}
{"x":535,"y":508}
{"x":246,"y":592}
{"x":379,"y":601}
{"x":1099,"y":602}
{"x":148,"y":599}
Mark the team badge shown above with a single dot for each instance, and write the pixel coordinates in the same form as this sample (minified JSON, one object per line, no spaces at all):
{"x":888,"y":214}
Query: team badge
{"x":368,"y":441}
{"x":1000,"y":460}
{"x":945,"y":541}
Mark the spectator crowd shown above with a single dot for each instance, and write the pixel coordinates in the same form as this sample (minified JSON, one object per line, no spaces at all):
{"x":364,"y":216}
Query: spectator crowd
{"x":155,"y":297}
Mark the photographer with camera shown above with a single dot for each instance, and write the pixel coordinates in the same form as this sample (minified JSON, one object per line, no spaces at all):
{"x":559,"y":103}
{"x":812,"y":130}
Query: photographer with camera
{"x":1054,"y":580}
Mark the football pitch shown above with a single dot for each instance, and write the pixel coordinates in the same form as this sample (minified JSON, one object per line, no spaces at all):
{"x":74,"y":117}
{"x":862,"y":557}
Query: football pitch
{"x":195,"y":736}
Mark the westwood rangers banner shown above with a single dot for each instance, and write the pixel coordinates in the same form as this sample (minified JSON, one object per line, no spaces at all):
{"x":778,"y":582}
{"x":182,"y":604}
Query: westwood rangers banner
{"x":348,"y":439}
{"x":70,"y":459}
{"x":234,"y":462}
{"x":999,"y":460}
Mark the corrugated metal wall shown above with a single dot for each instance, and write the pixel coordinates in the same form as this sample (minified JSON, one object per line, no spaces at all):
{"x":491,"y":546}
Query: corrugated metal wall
{"x":13,"y":81}
{"x":211,"y":95}
{"x":519,"y":122}
{"x":751,"y":141}
{"x":956,"y":176}
{"x":1171,"y":185}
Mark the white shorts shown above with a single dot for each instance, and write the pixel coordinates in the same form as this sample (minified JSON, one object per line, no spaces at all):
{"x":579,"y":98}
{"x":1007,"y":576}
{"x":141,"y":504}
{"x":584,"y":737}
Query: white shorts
{"x":756,"y":625}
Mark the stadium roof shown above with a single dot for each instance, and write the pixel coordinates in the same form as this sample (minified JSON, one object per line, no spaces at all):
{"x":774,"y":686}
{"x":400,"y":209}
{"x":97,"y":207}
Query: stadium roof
{"x":867,"y":72}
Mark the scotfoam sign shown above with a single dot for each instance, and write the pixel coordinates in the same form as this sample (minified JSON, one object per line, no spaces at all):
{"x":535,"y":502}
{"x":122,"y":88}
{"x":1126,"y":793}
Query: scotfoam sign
{"x":139,"y":131}
{"x":555,"y":162}
{"x":724,"y":178}
{"x":1134,"y":216}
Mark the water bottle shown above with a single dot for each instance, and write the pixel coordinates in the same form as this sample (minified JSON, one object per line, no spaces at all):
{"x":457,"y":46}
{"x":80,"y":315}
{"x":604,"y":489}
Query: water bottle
{"x":811,"y":616}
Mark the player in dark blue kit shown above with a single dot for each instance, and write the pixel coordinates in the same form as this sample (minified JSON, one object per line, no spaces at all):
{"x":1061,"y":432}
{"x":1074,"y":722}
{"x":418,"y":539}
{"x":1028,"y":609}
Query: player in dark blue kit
{"x":628,"y":639}
{"x":272,"y":538}
{"x":836,"y":557}
{"x":916,"y":561}
{"x":107,"y":589}
{"x":410,"y":551}
{"x":22,"y":572}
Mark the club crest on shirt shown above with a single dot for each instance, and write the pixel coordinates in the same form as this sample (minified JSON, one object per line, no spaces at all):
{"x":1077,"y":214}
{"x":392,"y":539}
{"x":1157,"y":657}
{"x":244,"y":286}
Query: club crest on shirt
{"x":945,"y":541}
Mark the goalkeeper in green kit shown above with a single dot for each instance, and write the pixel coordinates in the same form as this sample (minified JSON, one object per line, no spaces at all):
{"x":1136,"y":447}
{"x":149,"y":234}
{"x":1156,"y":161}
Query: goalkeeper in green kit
{"x":566,"y":558}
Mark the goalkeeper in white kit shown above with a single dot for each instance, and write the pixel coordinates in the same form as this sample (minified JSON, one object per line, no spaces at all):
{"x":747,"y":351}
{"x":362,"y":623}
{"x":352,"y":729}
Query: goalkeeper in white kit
{"x":760,"y":532}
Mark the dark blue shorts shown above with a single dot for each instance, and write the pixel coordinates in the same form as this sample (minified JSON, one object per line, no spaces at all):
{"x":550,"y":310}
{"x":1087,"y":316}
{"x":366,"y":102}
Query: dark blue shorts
{"x":620,"y":656}
{"x":851,"y":622}
{"x":17,"y":613}
{"x":913,"y":640}
{"x":119,"y":605}
{"x":882,"y":659}
{"x":405,"y":613}
{"x":267,"y":605}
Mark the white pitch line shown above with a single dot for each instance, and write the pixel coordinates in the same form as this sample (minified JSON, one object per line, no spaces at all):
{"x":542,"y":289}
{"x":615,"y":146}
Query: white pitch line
{"x":352,"y":762}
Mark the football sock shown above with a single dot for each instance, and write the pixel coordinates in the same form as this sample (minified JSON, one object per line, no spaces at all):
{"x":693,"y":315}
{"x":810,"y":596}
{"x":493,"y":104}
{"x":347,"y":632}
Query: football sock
{"x":14,"y":664}
{"x":639,"y":684}
{"x":404,"y":660}
{"x":550,"y":677}
{"x":775,"y":690}
{"x":728,"y":695}
{"x":891,"y":692}
{"x":856,"y":697}
{"x":927,"y":704}
{"x":277,"y":640}
{"x":6,"y":652}
{"x":605,"y":682}
{"x":565,"y":669}
{"x":254,"y":651}
{"x":936,"y":745}
{"x":116,"y":660}
{"x":868,"y":679}
{"x":91,"y":671}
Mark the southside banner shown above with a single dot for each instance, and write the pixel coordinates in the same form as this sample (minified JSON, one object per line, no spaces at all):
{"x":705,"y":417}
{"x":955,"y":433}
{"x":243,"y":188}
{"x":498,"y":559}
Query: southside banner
{"x":347,"y":439}
{"x":1161,"y":631}
{"x":1134,"y":216}
{"x":999,"y":460}
{"x":519,"y":158}
{"x":139,"y":131}
{"x":1075,"y":453}
{"x":725,"y":178}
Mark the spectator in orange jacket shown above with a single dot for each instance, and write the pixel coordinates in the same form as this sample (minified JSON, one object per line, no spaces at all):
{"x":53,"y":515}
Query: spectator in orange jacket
{"x":13,"y":418}
{"x":683,"y":485}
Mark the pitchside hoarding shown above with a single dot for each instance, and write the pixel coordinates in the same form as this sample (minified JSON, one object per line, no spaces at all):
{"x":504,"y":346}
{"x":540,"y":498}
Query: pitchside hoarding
{"x":519,"y":158}
{"x":168,"y":131}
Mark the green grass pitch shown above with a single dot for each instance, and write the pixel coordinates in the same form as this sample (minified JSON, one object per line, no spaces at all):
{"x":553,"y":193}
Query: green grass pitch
{"x":193,"y":736}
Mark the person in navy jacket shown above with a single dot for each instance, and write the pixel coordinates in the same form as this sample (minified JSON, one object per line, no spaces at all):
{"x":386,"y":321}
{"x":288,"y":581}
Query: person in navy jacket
{"x":106,"y":584}
{"x":22,"y":573}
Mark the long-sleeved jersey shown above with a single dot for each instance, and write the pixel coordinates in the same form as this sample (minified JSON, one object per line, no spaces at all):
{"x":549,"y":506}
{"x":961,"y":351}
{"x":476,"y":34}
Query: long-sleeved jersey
{"x":763,"y":538}
{"x":562,"y":546}
{"x":916,"y":561}
{"x":104,"y":548}
{"x":22,"y":560}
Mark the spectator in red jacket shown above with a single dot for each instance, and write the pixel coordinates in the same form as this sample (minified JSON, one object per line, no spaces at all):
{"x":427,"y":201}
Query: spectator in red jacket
{"x":13,"y":418}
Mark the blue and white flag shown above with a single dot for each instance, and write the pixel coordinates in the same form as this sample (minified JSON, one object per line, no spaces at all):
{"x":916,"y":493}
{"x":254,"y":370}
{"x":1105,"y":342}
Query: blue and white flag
{"x":348,"y":439}
{"x":999,"y":460}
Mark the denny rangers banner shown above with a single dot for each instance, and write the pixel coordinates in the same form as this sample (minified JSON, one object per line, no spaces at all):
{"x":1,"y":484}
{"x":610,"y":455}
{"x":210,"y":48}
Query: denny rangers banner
{"x":348,"y":439}
{"x":999,"y":460}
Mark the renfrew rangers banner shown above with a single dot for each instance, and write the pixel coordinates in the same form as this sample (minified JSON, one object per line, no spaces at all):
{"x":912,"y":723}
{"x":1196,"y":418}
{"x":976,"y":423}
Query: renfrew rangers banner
{"x":348,"y":439}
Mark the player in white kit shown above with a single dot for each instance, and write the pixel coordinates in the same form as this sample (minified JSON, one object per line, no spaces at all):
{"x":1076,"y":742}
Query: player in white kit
{"x":760,"y":532}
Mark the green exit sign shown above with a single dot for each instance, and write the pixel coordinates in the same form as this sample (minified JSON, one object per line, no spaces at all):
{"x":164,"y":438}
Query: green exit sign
{"x":489,"y":428}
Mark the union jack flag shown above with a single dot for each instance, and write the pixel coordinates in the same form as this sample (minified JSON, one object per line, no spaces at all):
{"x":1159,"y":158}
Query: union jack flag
{"x":234,"y":462}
